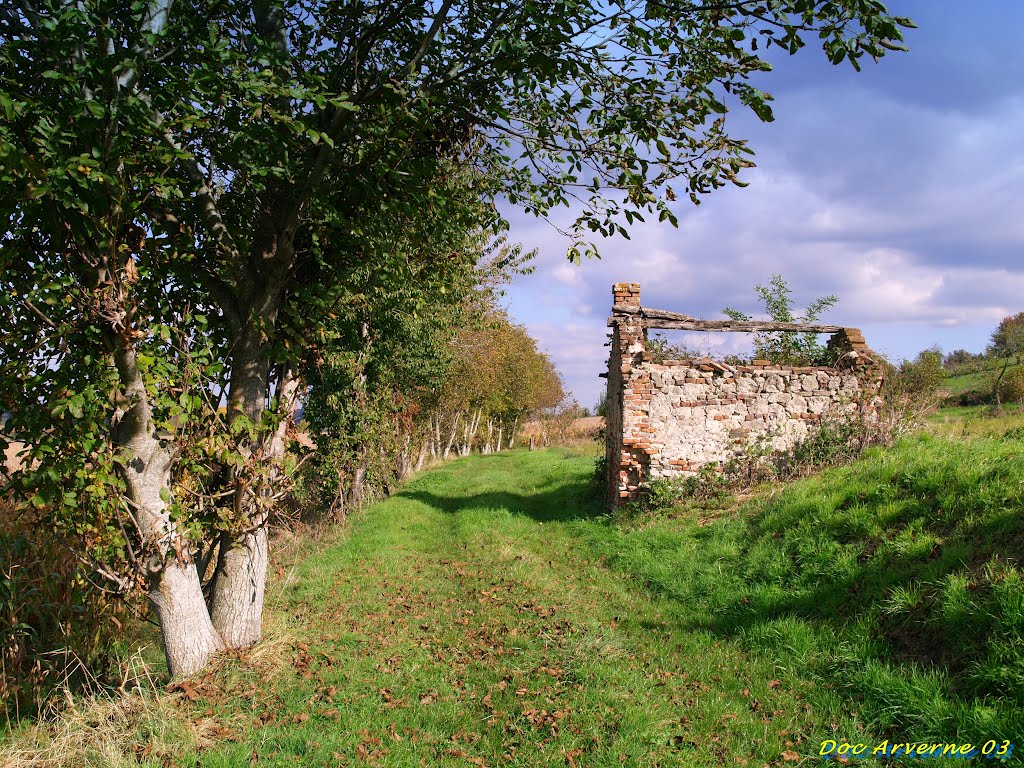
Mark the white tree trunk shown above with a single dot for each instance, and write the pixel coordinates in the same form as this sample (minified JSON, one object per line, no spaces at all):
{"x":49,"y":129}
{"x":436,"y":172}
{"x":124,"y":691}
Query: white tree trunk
{"x":451,"y":436}
{"x":405,"y":459}
{"x":189,"y":637}
{"x":490,"y":431}
{"x":473,"y":426}
{"x":241,"y":581}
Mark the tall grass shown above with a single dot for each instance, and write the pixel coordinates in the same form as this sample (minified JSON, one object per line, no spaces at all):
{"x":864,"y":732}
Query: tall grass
{"x":896,"y":580}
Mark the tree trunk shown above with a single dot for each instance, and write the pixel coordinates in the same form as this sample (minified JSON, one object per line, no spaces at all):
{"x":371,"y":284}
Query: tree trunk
{"x":337,"y":511}
{"x":358,"y":480}
{"x":501,"y":430}
{"x":236,"y":602}
{"x":405,"y":459}
{"x":996,"y":394}
{"x":189,"y":636}
{"x":451,"y":436}
{"x":241,"y":580}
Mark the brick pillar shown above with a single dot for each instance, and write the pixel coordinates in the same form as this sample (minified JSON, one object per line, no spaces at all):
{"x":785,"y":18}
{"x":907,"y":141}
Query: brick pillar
{"x":848,"y":340}
{"x":627,"y":464}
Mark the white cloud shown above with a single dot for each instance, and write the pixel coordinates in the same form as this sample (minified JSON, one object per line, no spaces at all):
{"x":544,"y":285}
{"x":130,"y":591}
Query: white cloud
{"x":907,"y":209}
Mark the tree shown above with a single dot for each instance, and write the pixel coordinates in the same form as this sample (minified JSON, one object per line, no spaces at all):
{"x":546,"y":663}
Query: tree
{"x":499,"y":378}
{"x":1007,"y":343}
{"x":377,"y":402}
{"x":184,"y":181}
{"x":784,"y":347}
{"x":959,"y":358}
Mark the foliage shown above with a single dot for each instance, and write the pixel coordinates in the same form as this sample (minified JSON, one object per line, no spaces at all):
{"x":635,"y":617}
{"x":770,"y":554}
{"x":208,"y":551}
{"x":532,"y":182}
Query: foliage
{"x":394,"y":373}
{"x":1008,"y":337}
{"x":962,"y":361}
{"x":972,"y":384}
{"x":1011,"y":389}
{"x":55,"y":628}
{"x":1007,"y":343}
{"x":501,"y":373}
{"x":784,"y":347}
{"x":660,"y":349}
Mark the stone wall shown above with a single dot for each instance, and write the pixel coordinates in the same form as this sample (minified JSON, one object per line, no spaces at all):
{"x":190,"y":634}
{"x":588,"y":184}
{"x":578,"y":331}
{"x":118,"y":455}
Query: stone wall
{"x":671,"y":418}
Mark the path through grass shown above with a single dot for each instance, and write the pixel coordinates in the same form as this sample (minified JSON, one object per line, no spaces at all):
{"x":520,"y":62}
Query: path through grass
{"x":466,"y":622}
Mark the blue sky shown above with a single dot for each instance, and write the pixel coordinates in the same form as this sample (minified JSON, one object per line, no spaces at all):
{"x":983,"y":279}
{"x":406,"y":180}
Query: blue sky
{"x":899,"y":189}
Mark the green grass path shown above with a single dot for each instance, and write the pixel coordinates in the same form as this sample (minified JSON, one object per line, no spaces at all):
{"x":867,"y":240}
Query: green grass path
{"x":467,"y":621}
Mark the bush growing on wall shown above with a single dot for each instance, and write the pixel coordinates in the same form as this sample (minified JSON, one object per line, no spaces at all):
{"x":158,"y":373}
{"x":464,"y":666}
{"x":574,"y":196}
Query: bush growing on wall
{"x":785,"y":347}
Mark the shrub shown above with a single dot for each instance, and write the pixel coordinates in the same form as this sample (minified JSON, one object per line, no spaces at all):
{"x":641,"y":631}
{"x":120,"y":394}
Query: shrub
{"x":909,"y":391}
{"x":56,"y":630}
{"x":787,"y":347}
{"x":1011,"y":388}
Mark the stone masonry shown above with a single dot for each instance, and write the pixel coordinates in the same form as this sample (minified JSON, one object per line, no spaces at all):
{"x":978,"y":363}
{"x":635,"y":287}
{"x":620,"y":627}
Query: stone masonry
{"x":671,"y":418}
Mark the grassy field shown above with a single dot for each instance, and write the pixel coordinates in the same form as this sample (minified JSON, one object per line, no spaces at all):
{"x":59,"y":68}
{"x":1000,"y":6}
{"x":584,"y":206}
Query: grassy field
{"x":977,"y":421}
{"x":975,"y":381}
{"x":491,"y":614}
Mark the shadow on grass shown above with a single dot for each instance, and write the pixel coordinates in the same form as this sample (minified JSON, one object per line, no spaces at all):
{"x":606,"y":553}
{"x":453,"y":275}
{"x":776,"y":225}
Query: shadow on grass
{"x":899,"y":607}
{"x":550,"y":502}
{"x":541,"y":490}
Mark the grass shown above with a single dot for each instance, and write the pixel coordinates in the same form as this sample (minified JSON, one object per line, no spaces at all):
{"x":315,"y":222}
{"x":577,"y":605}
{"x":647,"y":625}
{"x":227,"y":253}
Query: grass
{"x":977,"y":382}
{"x":895,"y":582}
{"x":465,"y":621}
{"x":977,"y":421}
{"x":491,"y":614}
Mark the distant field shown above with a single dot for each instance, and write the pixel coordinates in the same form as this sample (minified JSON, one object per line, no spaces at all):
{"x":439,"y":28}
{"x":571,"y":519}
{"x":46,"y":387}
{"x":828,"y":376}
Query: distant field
{"x":976,"y":420}
{"x":977,"y":381}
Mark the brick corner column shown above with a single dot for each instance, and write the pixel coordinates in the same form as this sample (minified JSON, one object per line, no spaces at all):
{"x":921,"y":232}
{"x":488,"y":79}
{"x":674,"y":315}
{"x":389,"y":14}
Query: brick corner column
{"x":626,"y":465}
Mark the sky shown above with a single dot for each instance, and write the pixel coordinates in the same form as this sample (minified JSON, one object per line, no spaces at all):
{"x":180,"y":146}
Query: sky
{"x":898,"y":189}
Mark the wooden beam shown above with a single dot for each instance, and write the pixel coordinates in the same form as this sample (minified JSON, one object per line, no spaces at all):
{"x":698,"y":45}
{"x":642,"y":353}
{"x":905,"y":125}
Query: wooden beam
{"x":739,"y":326}
{"x":659,"y":314}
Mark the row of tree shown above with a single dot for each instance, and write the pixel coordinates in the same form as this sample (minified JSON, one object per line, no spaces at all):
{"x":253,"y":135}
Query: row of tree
{"x":1007,"y":344}
{"x":424,"y":387}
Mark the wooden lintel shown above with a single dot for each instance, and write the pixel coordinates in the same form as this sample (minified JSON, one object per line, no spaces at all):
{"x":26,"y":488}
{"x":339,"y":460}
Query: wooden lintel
{"x":740,"y":326}
{"x":659,"y":314}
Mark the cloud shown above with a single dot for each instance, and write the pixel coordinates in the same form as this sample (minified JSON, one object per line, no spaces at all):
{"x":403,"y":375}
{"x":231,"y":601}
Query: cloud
{"x":891,"y":190}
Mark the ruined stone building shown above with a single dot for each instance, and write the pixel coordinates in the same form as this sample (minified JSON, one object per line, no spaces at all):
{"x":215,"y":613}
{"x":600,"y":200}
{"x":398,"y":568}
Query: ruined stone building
{"x":670,"y":418}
